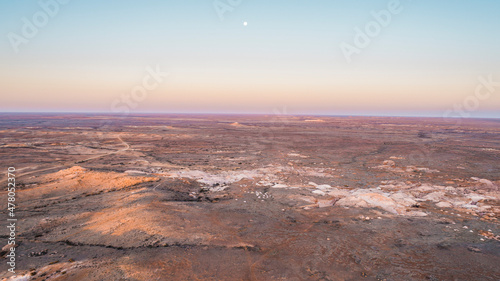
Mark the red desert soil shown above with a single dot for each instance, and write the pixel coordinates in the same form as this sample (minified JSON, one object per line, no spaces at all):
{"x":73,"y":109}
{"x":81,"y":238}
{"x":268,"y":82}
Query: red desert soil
{"x":190,"y":197}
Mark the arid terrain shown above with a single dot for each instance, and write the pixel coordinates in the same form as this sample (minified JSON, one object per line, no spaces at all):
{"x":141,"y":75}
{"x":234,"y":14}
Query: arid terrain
{"x":207,"y":197}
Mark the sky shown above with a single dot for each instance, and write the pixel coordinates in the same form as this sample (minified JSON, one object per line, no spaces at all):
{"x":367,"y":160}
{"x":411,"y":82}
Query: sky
{"x":325,"y":57}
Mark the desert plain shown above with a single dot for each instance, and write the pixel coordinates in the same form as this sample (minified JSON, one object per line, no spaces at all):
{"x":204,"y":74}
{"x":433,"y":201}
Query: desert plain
{"x":252,"y":197}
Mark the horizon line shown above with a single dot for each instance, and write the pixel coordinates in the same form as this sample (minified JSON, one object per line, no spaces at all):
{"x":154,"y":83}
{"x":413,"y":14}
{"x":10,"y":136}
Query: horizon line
{"x":239,"y":113}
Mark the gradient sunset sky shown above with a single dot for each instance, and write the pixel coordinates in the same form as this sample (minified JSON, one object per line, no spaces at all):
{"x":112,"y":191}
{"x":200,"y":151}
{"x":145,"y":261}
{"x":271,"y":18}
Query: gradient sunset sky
{"x":286,"y":59}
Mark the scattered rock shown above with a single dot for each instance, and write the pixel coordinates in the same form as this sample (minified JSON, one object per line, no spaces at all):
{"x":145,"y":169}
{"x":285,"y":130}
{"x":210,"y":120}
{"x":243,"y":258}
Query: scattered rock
{"x":434,"y":196}
{"x":319,"y":192}
{"x":474,"y":249}
{"x":37,"y":254}
{"x":444,"y":205}
{"x":416,"y":214}
{"x":489,"y":235}
{"x":389,"y":163}
{"x":326,"y":203}
{"x":381,"y":201}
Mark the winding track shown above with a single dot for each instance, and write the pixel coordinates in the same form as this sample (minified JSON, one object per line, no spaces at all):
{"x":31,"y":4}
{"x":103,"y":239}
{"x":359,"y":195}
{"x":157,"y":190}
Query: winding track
{"x":127,"y":147}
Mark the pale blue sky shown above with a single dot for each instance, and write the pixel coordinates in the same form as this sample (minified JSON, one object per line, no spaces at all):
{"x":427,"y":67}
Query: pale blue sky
{"x":90,"y":52}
